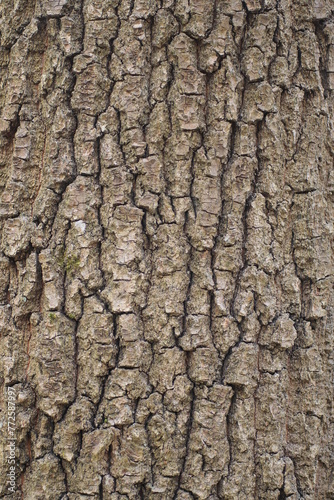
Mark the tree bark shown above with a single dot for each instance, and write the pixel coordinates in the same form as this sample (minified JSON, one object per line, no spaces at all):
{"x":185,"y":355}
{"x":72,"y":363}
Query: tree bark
{"x":166,"y":212}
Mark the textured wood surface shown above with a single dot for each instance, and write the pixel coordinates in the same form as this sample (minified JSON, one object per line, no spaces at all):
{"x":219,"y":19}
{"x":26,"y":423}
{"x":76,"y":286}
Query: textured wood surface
{"x":166,"y":266}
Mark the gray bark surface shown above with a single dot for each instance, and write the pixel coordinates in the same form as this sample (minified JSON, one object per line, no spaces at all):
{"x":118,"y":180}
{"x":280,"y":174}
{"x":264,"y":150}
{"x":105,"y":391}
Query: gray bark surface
{"x":166,"y":266}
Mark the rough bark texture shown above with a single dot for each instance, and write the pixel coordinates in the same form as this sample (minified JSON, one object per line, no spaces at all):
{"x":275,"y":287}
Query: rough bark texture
{"x":166,"y":180}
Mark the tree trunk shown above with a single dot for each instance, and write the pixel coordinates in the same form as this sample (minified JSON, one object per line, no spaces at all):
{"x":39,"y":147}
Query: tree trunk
{"x":166,"y":180}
